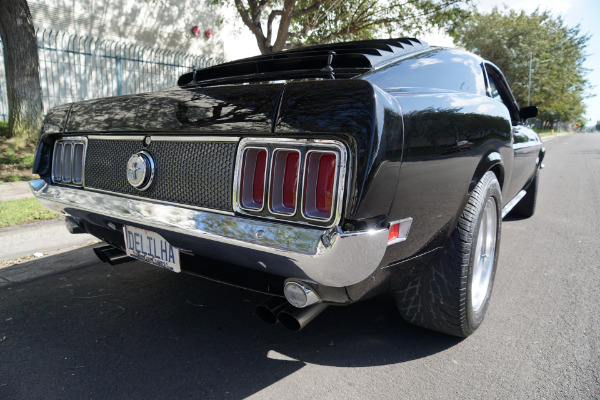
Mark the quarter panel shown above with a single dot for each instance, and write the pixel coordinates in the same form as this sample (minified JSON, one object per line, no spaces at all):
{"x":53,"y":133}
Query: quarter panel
{"x":447,"y":135}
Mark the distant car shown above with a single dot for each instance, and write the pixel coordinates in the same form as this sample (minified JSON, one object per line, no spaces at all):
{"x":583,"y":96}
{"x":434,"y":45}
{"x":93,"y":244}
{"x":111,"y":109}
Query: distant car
{"x":325,"y":175}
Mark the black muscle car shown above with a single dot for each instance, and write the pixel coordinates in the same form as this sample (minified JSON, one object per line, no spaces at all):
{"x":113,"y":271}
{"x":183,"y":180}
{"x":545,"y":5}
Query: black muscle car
{"x":323,"y":175}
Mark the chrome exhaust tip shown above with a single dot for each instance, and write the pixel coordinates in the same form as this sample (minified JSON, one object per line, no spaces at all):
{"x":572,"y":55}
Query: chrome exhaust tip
{"x":112,"y":255}
{"x":299,"y":294}
{"x":268,"y":310}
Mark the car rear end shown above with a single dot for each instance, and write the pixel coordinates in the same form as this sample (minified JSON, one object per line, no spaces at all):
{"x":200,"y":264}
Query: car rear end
{"x":275,"y":186}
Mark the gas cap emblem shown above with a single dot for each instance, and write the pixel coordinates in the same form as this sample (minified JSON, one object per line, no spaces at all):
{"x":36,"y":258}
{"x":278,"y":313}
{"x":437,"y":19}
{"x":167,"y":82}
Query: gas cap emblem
{"x":140,"y":170}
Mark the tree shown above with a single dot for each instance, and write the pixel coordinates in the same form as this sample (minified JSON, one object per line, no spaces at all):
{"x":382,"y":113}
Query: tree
{"x":22,"y":70}
{"x":556,"y":52}
{"x":598,"y":125}
{"x":303,"y":22}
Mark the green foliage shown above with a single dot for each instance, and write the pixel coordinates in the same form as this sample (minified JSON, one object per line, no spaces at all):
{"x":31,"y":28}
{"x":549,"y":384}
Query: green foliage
{"x":359,"y":20}
{"x":17,"y":212}
{"x":598,"y":126}
{"x":511,"y":39}
{"x":304,"y":22}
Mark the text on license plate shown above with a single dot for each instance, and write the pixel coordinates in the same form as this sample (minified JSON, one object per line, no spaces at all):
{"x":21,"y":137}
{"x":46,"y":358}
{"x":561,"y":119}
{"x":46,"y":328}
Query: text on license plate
{"x":152,"y":248}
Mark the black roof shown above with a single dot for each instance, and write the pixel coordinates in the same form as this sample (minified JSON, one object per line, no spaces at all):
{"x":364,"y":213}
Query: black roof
{"x":335,"y":60}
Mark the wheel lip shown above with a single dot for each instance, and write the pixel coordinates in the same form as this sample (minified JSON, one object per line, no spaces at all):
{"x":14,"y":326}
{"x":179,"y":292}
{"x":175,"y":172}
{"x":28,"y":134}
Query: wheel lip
{"x":485,"y":256}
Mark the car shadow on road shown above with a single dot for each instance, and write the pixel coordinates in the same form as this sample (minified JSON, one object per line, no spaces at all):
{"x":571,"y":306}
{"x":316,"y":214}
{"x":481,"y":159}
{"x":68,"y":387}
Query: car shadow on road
{"x":136,"y":331}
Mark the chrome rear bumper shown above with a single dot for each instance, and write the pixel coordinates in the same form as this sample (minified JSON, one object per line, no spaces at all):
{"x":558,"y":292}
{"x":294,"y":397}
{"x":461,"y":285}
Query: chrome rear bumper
{"x":328,"y":257}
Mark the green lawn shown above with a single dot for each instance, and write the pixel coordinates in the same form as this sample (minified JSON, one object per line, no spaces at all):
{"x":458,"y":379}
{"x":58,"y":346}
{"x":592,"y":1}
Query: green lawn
{"x":17,"y":212}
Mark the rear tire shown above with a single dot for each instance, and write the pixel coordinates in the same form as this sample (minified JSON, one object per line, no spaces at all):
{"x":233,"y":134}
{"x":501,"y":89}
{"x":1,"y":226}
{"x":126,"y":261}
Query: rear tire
{"x":526,"y":207}
{"x":453,"y":294}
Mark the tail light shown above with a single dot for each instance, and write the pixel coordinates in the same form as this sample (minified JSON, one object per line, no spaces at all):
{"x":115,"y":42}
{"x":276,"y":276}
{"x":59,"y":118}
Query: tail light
{"x":300,"y":180}
{"x":68,"y":161}
{"x":319,"y":182}
{"x":78,"y":152}
{"x":252,"y":186}
{"x":285,"y":170}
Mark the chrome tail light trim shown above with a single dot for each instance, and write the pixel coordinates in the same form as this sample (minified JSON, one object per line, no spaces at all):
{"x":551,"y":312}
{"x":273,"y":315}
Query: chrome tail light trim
{"x":303,"y":147}
{"x":68,"y":161}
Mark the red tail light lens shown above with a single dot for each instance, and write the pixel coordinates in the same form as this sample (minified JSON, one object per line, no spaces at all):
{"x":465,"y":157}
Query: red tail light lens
{"x":252,"y":185}
{"x":284,"y":181}
{"x":325,"y":182}
{"x":319,"y":184}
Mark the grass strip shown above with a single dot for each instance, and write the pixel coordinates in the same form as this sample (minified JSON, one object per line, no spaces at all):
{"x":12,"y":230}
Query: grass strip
{"x":18,"y":212}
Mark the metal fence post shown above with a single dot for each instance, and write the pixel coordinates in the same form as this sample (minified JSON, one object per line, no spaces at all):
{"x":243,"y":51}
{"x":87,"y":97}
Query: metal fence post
{"x":119,"y":76}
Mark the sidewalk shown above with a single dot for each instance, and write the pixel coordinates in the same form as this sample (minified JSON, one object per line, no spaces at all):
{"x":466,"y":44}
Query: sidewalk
{"x":39,"y":238}
{"x":14,"y":191}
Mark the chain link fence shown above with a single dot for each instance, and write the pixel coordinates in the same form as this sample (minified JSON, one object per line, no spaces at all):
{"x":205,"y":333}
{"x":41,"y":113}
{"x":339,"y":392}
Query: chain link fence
{"x":75,"y":67}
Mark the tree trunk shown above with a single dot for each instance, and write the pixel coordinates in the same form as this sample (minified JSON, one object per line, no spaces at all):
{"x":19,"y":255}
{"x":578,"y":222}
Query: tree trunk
{"x":22,"y":70}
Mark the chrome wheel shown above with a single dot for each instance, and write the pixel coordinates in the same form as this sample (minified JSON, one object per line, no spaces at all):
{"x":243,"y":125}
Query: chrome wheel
{"x":485,"y":250}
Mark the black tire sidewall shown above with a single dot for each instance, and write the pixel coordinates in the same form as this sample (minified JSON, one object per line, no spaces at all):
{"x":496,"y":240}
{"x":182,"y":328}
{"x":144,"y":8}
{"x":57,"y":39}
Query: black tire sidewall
{"x":490,"y":189}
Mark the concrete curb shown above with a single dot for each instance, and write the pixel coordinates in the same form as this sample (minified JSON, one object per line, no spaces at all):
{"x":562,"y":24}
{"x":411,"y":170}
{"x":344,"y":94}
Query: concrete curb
{"x":549,"y":138}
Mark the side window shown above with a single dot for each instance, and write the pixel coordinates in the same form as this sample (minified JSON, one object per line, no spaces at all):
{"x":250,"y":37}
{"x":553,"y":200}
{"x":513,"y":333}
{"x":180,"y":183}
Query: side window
{"x":498,"y":89}
{"x":494,"y":90}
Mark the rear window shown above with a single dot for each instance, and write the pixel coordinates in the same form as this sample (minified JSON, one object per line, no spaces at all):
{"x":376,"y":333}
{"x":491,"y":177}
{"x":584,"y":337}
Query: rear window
{"x":440,"y":69}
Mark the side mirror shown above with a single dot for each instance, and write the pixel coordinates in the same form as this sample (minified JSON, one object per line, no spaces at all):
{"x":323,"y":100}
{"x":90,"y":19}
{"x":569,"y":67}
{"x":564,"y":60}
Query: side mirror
{"x":528,"y":112}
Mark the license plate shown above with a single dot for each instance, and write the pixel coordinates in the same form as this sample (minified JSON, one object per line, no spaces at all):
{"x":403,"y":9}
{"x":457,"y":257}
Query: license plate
{"x":152,"y":248}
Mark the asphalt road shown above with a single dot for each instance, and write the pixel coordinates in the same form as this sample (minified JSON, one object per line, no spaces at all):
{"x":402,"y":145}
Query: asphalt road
{"x":133,"y":331}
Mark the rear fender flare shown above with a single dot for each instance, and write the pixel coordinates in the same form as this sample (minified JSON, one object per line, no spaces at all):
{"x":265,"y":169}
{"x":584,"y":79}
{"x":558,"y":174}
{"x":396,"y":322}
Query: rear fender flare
{"x":491,"y":162}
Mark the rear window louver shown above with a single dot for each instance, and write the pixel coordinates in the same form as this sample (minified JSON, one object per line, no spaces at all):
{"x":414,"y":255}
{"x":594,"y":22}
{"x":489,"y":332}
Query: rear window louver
{"x":329,"y":61}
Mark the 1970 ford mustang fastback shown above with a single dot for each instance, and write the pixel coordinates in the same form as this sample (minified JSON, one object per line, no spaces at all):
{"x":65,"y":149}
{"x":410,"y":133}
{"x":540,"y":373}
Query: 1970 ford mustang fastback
{"x":323,"y":175}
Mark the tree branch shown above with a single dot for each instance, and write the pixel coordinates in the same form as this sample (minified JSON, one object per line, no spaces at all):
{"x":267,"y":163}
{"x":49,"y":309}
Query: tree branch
{"x":251,"y":23}
{"x":274,"y":13}
{"x":284,"y":24}
{"x":316,"y":5}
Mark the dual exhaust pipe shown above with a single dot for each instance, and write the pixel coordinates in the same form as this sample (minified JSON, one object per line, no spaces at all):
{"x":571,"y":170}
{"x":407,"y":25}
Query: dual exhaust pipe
{"x":279,"y":310}
{"x":301,"y":307}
